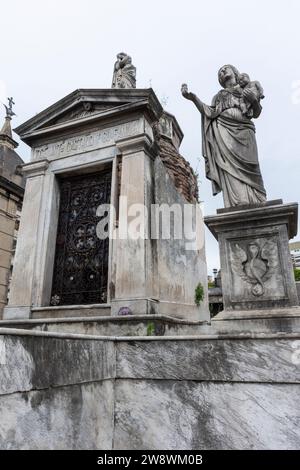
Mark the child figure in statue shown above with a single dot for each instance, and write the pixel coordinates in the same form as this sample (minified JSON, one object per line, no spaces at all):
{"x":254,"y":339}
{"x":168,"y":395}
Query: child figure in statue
{"x":255,"y":86}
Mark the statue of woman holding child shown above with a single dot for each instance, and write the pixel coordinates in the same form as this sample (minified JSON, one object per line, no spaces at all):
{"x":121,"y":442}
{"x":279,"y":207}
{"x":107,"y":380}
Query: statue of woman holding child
{"x":228,"y":138}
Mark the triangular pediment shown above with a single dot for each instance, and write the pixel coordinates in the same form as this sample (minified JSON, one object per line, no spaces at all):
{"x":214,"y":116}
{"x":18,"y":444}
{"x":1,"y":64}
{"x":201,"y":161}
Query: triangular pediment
{"x":81,"y":110}
{"x":85,"y":105}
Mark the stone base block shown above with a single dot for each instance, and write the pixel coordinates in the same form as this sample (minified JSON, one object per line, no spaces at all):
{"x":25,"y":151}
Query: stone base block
{"x":63,"y":311}
{"x":188,"y":312}
{"x":178,"y":310}
{"x":136,"y":306}
{"x":68,"y":311}
{"x":284,"y":320}
{"x":15,"y":313}
{"x":256,"y":266}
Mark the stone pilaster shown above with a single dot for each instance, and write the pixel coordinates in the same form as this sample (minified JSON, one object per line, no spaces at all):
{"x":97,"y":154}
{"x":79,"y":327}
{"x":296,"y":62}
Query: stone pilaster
{"x":24,"y":279}
{"x":135,"y":273}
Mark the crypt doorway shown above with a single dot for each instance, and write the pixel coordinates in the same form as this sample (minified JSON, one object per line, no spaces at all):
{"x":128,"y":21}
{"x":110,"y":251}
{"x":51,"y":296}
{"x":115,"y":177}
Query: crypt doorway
{"x":80,"y":273}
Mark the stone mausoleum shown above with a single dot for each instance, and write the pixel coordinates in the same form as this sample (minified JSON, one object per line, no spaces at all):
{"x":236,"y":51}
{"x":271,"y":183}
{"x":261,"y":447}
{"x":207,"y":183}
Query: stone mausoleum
{"x":107,"y":343}
{"x":98,"y":147}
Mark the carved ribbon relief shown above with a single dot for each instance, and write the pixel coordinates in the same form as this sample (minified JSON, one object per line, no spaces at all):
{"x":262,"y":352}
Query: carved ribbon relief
{"x":254,"y":262}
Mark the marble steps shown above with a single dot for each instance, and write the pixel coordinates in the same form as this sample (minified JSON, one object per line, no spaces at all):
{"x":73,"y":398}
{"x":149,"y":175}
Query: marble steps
{"x":96,"y":320}
{"x":133,"y":325}
{"x":66,"y":311}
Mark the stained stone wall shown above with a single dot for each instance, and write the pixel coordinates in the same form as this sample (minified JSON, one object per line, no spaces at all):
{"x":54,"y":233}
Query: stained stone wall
{"x":179,"y":169}
{"x":55,"y":393}
{"x":180,"y":260}
{"x":62,"y":391}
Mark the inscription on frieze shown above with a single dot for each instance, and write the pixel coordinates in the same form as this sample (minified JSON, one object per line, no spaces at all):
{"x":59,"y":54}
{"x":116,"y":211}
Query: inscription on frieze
{"x":256,"y":270}
{"x":88,"y":141}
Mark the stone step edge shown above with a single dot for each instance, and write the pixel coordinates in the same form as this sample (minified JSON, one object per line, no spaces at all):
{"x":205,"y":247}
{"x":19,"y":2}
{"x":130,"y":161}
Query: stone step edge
{"x":262,"y":314}
{"x":221,"y":336}
{"x":105,"y":319}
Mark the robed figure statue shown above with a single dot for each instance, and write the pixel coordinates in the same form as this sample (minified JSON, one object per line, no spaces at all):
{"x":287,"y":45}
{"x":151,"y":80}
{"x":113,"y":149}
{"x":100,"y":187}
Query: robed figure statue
{"x":124,"y":72}
{"x":228,"y":138}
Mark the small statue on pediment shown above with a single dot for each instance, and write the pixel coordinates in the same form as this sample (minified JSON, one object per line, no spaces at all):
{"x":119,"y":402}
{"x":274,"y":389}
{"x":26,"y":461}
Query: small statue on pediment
{"x":124,"y":72}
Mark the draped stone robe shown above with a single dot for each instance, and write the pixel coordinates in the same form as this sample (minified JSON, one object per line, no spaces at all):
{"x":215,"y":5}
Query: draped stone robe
{"x":124,"y":77}
{"x":230,"y":150}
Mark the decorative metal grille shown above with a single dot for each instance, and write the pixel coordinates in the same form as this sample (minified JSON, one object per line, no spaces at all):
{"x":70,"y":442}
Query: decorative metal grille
{"x":81,"y":258}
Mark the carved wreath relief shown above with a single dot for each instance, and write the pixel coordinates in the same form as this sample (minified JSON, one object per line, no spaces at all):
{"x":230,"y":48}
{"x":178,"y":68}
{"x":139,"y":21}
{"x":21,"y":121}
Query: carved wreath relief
{"x":255,"y":263}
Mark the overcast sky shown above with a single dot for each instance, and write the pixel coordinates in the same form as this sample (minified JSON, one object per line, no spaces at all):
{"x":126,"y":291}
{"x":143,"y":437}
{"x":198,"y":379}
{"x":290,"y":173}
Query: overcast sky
{"x":50,"y":48}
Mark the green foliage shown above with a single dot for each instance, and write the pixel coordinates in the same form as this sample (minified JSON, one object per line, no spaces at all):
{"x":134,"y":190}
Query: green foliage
{"x":151,"y":329}
{"x":211,"y":285}
{"x":199,"y":294}
{"x":297,"y":274}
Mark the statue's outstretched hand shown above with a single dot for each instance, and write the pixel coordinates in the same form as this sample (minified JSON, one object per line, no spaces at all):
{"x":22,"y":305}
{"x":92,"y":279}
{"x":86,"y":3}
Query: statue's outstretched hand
{"x":185,"y":92}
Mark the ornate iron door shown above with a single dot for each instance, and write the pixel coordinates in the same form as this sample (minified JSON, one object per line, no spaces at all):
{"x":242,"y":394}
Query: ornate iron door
{"x":81,"y":258}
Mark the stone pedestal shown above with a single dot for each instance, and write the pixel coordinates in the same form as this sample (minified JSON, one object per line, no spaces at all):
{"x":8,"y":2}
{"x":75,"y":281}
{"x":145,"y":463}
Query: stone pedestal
{"x":256,"y":266}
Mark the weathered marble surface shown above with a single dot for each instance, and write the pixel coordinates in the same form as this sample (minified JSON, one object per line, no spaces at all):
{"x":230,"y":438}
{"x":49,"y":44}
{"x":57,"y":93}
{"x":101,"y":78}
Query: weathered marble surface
{"x":36,"y":362}
{"x":74,"y":417}
{"x":236,"y":360}
{"x":135,"y":393}
{"x":170,"y":414}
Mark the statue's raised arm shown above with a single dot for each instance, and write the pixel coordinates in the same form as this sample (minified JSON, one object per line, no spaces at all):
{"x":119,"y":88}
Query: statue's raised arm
{"x":228,"y":138}
{"x":191,"y":96}
{"x":205,"y":110}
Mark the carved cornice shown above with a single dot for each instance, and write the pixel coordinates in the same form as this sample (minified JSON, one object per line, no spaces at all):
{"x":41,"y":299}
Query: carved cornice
{"x":272,"y":214}
{"x":35,"y":168}
{"x":135,"y":144}
{"x":122,"y":101}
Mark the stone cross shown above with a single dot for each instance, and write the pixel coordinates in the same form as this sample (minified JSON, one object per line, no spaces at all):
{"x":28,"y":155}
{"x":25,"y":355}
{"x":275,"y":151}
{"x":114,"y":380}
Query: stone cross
{"x":9,"y":111}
